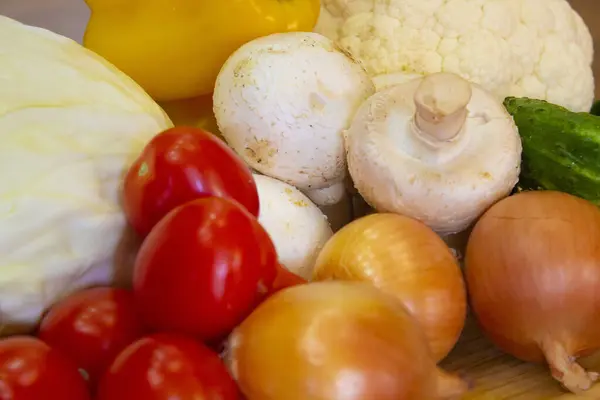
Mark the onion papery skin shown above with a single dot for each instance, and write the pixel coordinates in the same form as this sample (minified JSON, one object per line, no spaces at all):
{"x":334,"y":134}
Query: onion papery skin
{"x":335,"y":341}
{"x":533,"y":275}
{"x":402,"y":257}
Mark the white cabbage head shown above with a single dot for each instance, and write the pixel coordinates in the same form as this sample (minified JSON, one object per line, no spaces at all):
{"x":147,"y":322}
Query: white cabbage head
{"x":70,"y":125}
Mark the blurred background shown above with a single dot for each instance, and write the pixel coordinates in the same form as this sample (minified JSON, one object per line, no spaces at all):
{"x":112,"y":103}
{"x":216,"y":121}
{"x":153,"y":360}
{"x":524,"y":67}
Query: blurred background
{"x":590,"y":11}
{"x":68,"y":17}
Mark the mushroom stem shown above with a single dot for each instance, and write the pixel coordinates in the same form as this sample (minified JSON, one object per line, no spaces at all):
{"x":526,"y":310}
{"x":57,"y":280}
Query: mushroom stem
{"x":441,"y":100}
{"x":327,"y":196}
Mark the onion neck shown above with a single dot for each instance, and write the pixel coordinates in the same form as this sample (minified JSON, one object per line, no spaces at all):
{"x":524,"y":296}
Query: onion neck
{"x":441,"y":106}
{"x":565,"y":369}
{"x":450,"y":386}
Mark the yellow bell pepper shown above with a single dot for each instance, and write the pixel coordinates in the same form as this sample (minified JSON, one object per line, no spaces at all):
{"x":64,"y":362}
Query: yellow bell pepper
{"x":175,"y":48}
{"x":197,"y":112}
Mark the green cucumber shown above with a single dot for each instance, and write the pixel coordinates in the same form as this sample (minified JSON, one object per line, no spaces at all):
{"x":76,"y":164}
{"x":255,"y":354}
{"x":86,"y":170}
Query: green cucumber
{"x":561,"y":148}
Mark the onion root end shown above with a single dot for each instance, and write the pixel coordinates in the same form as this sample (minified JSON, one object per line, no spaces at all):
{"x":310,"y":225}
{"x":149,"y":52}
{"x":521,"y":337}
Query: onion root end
{"x":566,"y":370}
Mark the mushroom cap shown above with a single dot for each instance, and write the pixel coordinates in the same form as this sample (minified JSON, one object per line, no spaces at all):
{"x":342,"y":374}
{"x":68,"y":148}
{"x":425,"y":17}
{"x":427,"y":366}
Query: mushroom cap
{"x":445,"y":184}
{"x":296,"y":225}
{"x":384,"y":81}
{"x":282,"y":102}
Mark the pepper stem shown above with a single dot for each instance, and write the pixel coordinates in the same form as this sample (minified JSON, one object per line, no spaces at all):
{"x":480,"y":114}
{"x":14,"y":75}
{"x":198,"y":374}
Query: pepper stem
{"x":566,"y":370}
{"x":441,"y":100}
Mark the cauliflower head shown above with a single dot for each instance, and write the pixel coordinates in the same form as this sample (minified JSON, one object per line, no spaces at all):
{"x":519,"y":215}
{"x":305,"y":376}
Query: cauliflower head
{"x":534,"y":48}
{"x":70,"y":125}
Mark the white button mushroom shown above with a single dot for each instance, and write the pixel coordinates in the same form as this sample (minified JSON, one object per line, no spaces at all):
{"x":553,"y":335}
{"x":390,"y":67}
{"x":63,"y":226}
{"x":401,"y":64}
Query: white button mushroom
{"x":297,"y":227}
{"x":385,"y":81}
{"x":438,"y":149}
{"x":282,"y":102}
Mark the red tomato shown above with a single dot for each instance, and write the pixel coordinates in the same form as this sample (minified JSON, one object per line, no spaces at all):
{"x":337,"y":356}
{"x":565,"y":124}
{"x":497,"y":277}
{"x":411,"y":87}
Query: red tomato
{"x":92,"y":327}
{"x":179,"y":165}
{"x":32,"y":370}
{"x":165,"y":367}
{"x":203,"y":268}
{"x":285,"y":278}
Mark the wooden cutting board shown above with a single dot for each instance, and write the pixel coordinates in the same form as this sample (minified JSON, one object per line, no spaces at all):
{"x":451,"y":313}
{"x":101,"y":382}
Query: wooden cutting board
{"x":498,"y":376}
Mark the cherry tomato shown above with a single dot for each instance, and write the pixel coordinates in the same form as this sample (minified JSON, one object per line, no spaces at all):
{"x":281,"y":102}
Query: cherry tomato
{"x":92,"y":327}
{"x":165,"y":367}
{"x":285,"y":278}
{"x":179,"y":165}
{"x":32,"y":370}
{"x":203,"y":268}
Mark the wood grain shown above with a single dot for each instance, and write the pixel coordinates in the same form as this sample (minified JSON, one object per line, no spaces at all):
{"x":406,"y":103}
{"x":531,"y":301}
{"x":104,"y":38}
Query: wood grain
{"x":498,"y":376}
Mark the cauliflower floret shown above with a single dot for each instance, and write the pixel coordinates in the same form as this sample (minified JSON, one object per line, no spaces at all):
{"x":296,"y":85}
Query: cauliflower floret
{"x":534,"y":48}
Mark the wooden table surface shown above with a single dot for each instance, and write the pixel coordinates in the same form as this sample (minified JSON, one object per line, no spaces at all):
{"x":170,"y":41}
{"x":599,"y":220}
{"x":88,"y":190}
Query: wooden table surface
{"x":498,"y":376}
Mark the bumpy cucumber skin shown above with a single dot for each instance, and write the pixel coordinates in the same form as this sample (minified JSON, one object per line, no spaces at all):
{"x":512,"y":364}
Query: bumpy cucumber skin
{"x":561,"y":148}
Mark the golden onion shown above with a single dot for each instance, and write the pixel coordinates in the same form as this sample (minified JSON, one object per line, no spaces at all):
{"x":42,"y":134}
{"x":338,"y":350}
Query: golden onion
{"x":335,"y":341}
{"x":405,"y":258}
